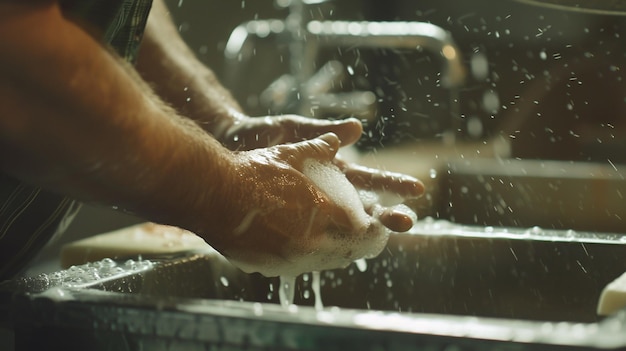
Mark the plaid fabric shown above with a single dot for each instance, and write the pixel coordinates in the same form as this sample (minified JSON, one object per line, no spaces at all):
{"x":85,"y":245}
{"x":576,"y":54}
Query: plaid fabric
{"x":122,"y":22}
{"x":29,"y":216}
{"x":125,"y":32}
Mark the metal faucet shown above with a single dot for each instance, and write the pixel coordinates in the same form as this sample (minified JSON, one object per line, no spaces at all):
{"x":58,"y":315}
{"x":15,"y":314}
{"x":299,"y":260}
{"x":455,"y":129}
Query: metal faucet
{"x":394,"y":35}
{"x":307,"y":92}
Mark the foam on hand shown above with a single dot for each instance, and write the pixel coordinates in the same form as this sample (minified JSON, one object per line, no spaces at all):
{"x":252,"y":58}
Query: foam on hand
{"x":334,"y":250}
{"x":369,"y":238}
{"x":336,"y":186}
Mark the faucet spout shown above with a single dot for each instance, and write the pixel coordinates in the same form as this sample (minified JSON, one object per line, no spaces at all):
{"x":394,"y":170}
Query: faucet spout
{"x":305,"y":91}
{"x":398,"y":35}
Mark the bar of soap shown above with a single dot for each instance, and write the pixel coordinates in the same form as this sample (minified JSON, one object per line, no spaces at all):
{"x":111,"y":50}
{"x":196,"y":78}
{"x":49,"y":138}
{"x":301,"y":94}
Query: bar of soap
{"x":144,"y":239}
{"x":613,"y":297}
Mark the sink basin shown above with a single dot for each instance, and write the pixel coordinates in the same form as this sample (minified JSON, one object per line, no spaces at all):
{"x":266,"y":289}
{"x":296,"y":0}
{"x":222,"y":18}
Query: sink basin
{"x":479,"y":273}
{"x":565,"y":195}
{"x":477,"y":184}
{"x":441,"y":285}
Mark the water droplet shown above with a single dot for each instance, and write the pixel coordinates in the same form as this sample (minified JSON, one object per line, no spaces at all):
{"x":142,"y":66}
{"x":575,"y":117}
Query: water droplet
{"x":361,"y":264}
{"x":107,"y":263}
{"x":286,"y":290}
{"x":258,"y":309}
{"x":433,"y":173}
{"x":224,"y":281}
{"x":316,"y":285}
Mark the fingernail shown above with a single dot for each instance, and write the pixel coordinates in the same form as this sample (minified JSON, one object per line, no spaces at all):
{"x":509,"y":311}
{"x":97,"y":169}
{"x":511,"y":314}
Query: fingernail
{"x":330,"y":137}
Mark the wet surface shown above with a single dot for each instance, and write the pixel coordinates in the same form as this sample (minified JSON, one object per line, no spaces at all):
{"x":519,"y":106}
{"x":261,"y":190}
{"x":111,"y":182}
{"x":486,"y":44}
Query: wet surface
{"x":529,"y":274}
{"x":443,"y":284}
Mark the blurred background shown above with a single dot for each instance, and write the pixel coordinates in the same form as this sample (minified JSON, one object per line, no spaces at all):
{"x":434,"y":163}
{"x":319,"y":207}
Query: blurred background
{"x":547,"y":79}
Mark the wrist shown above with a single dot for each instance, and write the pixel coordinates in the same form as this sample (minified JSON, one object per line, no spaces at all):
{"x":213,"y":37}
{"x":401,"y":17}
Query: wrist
{"x":210,"y":213}
{"x":223,"y":128}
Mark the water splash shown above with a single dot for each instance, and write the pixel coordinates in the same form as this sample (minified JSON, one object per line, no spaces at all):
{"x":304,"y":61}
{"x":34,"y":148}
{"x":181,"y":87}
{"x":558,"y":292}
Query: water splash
{"x":361,"y":264}
{"x":316,"y":285}
{"x":286,"y":290}
{"x":224,"y":281}
{"x":82,"y":276}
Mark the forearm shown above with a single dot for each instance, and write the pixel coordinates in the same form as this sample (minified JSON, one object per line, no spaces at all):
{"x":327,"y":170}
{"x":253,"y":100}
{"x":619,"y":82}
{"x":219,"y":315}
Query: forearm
{"x":73,"y":121}
{"x":167,"y":63}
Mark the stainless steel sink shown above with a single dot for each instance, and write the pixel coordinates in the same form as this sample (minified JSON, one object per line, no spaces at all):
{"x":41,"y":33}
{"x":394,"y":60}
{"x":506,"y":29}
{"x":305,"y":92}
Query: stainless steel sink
{"x":564,"y":195}
{"x":477,"y":273}
{"x":441,"y":287}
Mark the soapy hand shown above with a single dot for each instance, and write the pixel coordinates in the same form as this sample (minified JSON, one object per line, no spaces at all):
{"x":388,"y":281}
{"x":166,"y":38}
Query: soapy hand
{"x":277,"y":221}
{"x":392,"y":189}
{"x":251,"y":133}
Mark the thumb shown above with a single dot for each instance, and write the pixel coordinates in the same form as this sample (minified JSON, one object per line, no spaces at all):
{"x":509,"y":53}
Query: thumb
{"x":348,"y":130}
{"x":322,"y":148}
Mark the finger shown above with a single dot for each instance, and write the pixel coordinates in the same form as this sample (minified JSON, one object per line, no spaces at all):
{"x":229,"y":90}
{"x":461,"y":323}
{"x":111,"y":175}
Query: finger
{"x":322,"y":148}
{"x":377,"y":180}
{"x":396,"y":221}
{"x":347,"y":130}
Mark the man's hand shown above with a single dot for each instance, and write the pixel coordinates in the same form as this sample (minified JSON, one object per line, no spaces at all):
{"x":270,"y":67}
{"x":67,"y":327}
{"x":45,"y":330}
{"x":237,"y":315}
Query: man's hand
{"x":248,"y":133}
{"x":191,"y":88}
{"x":399,"y":187}
{"x":275,"y":220}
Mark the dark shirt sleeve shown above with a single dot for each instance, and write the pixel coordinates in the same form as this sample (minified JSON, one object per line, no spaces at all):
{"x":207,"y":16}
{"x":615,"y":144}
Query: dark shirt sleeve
{"x":29,"y":218}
